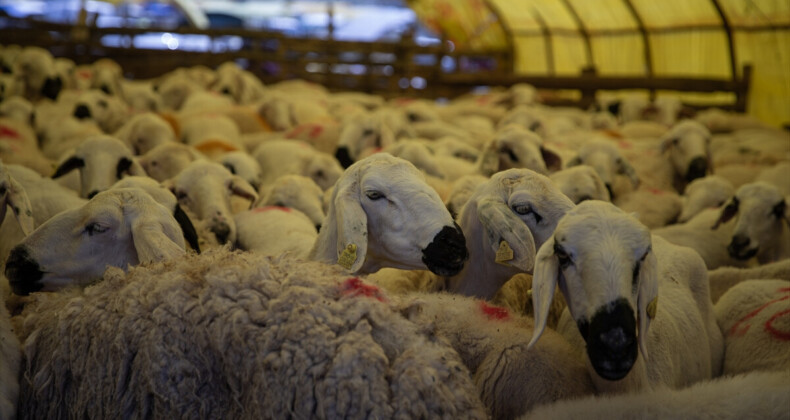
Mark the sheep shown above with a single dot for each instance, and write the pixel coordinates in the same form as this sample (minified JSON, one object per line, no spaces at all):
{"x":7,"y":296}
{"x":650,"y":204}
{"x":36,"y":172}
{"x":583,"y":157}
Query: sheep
{"x":580,"y":183}
{"x":758,"y":395}
{"x":360,"y":133}
{"x":274,"y":231}
{"x":239,"y":84}
{"x":234,"y":335}
{"x":518,"y":147}
{"x":145,"y":131}
{"x":167,"y":160}
{"x":141,"y":96}
{"x":419,"y":154}
{"x":505,"y":221}
{"x":9,"y":88}
{"x":710,"y":191}
{"x":242,"y":164}
{"x":211,"y":134}
{"x":723,"y":278}
{"x":107,"y":76}
{"x":60,"y":135}
{"x":778,"y":175}
{"x":461,"y":191}
{"x":761,"y":228}
{"x":753,"y":317}
{"x":383,"y":214}
{"x":18,"y":145}
{"x":118,"y":227}
{"x":14,"y":196}
{"x":492,"y":344}
{"x":297,"y":192}
{"x":283,"y":157}
{"x":204,"y":189}
{"x":688,"y":145}
{"x":101,"y":161}
{"x":17,"y":108}
{"x":109,"y":112}
{"x":36,"y":69}
{"x":10,"y":359}
{"x":611,"y":273}
{"x":607,"y":161}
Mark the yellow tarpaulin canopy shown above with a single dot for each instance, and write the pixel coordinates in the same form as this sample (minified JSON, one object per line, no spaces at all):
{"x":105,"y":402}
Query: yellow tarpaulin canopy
{"x":632,"y":38}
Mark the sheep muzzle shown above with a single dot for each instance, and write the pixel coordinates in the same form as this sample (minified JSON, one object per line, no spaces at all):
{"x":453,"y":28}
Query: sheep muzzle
{"x":697,"y":169}
{"x":23,"y":272}
{"x":611,"y":340}
{"x":446,"y":254}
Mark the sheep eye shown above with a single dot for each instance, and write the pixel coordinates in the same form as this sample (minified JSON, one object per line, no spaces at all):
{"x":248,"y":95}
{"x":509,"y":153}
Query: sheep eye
{"x":95,"y":228}
{"x":562,"y":257}
{"x":524,"y":209}
{"x":3,"y":190}
{"x":319,"y":173}
{"x":181,"y":195}
{"x":374,"y":195}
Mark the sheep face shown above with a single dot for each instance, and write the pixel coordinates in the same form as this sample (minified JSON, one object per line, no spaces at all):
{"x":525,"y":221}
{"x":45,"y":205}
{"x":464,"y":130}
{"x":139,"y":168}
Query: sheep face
{"x":602,"y":259}
{"x":109,"y":112}
{"x":116,"y":228}
{"x":523,"y":116}
{"x":360,"y":134}
{"x":13,"y":196}
{"x":102,"y":161}
{"x":517,"y":147}
{"x":146,"y":131}
{"x":384,"y":213}
{"x":323,"y":169}
{"x":581,"y":183}
{"x":761,"y":210}
{"x":297,"y":192}
{"x":702,"y":193}
{"x":168,"y":160}
{"x":242,"y":164}
{"x":688,"y":145}
{"x":607,"y":161}
{"x":418,"y":154}
{"x":37,"y":70}
{"x":205,"y":189}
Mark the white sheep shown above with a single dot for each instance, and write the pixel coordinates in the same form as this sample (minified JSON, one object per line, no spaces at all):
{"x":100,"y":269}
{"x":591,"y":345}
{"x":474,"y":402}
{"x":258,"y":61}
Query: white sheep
{"x":235,"y":335}
{"x":18,"y":145}
{"x":140,"y":96}
{"x":275,"y":231}
{"x":17,"y":108}
{"x":237,"y":83}
{"x":360,"y":133}
{"x":688,"y":144}
{"x":145,"y":131}
{"x":109,"y":112}
{"x":166,"y":160}
{"x":753,"y":315}
{"x":118,"y":227}
{"x":761,"y":226}
{"x":710,"y":191}
{"x":607,"y":161}
{"x":296,"y":192}
{"x":492,"y":343}
{"x":101,"y":161}
{"x":612,"y":273}
{"x":517,"y":147}
{"x":758,"y":395}
{"x":581,"y":183}
{"x":461,"y":191}
{"x":36,"y":69}
{"x":10,"y":358}
{"x":723,"y":278}
{"x":383,"y":214}
{"x":59,"y":135}
{"x":244,"y":165}
{"x":204,"y":189}
{"x":283,"y":157}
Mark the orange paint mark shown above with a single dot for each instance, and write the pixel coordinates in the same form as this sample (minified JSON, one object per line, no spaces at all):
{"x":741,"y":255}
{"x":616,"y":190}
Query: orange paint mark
{"x":269,"y":208}
{"x":209,"y":145}
{"x":655,"y":191}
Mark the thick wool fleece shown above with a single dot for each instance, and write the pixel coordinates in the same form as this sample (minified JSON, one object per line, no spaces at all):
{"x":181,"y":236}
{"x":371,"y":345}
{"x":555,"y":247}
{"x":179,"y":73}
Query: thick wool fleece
{"x":232,"y":335}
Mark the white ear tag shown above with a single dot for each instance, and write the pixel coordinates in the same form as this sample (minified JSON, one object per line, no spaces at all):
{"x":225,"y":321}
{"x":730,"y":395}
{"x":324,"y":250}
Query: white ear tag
{"x":652,"y":307}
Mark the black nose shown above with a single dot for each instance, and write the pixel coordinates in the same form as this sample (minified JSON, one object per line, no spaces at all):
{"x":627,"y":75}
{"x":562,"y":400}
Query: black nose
{"x":739,"y":248}
{"x":697,"y":169}
{"x":611,"y":340}
{"x":344,"y":157}
{"x":318,"y":228}
{"x":23,"y":272}
{"x":446,"y":254}
{"x":82,"y":112}
{"x":92,"y":194}
{"x":221,"y":231}
{"x":52,"y":87}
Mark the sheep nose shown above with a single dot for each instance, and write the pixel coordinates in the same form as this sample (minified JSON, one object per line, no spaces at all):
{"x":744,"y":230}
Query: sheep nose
{"x":739,"y":242}
{"x":82,"y":112}
{"x":446,"y":254}
{"x":221,"y":231}
{"x":344,"y":157}
{"x":739,"y":248}
{"x":23,"y":272}
{"x":697,"y":169}
{"x":611,"y":340}
{"x":51,"y":88}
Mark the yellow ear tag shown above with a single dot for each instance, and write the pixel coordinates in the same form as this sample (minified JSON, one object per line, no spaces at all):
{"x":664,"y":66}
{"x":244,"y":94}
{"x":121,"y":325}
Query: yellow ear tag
{"x":504,"y":253}
{"x":652,"y":307}
{"x":348,"y":256}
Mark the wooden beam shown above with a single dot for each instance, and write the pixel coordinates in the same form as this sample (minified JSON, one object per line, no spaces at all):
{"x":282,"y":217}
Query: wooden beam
{"x":645,"y":37}
{"x":583,"y":30}
{"x":728,"y":31}
{"x":548,"y":46}
{"x":511,"y":64}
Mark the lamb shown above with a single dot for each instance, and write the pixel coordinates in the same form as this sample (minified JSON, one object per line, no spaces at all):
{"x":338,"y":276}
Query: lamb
{"x":761,"y":228}
{"x":581,"y":183}
{"x":145,"y":131}
{"x":119,"y":227}
{"x":101,"y":161}
{"x":611,"y":273}
{"x":518,"y":147}
{"x":723,"y":278}
{"x":275,"y":231}
{"x":753,"y":317}
{"x":234,"y":335}
{"x":758,"y":395}
{"x":383,"y":214}
{"x":283,"y":157}
{"x":708,"y":192}
{"x":492,"y":343}
{"x":295,"y":192}
{"x":204,"y":189}
{"x":167,"y":160}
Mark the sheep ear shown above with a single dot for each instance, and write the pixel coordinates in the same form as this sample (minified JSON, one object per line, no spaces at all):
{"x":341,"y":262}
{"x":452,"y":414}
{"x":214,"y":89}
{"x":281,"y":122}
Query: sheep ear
{"x":136,"y":169}
{"x":352,"y":226}
{"x":242,"y":188}
{"x":153,"y":241}
{"x":647,"y":300}
{"x":16,"y":198}
{"x":69,"y":165}
{"x":600,"y":187}
{"x":624,"y":167}
{"x":511,"y":240}
{"x":574,"y":162}
{"x":553,"y":161}
{"x":488,"y":161}
{"x":728,"y":212}
{"x":544,"y":281}
{"x":190,"y":234}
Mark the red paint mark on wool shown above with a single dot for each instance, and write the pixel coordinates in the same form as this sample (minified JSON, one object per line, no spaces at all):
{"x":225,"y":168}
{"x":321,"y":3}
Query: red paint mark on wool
{"x":739,"y":329}
{"x":494,"y":312}
{"x":354,"y":287}
{"x":268,"y":208}
{"x":316,"y":131}
{"x":85,"y":74}
{"x":769,"y":327}
{"x":295,"y":132}
{"x":655,"y":191}
{"x":8,"y":132}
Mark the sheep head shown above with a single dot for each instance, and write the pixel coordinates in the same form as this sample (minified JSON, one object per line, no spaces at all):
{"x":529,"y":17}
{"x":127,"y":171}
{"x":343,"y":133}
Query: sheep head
{"x":702,"y":193}
{"x":688,"y":144}
{"x":602,"y":260}
{"x":118,"y":228}
{"x":383,"y":214}
{"x":607,"y":161}
{"x":13,"y":195}
{"x":581,"y":183}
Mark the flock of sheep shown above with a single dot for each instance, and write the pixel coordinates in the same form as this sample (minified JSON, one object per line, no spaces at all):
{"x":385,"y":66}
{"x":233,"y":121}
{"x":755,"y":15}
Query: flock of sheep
{"x":200,"y":245}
